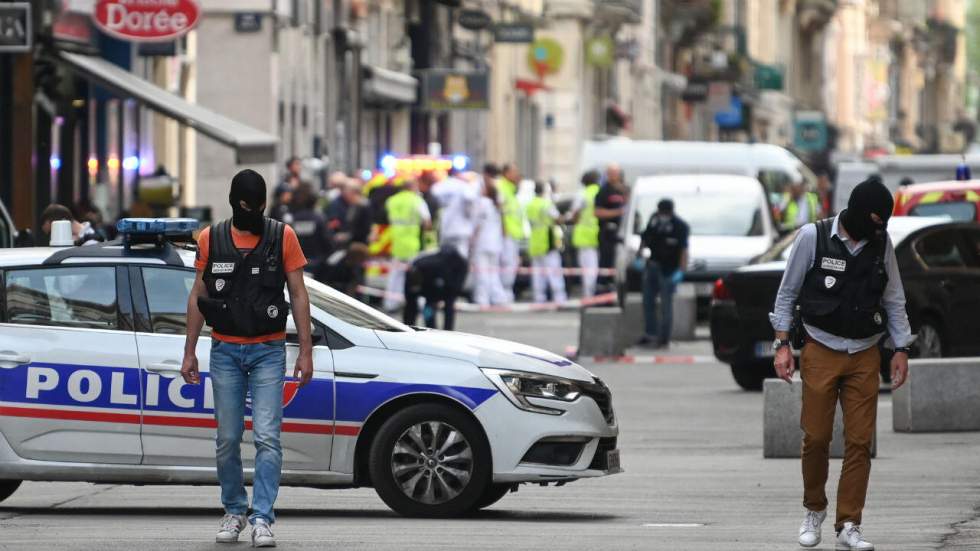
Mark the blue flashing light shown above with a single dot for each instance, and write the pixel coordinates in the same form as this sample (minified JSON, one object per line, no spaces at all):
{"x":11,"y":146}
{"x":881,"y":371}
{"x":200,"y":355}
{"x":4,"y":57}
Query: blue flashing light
{"x":131,"y":163}
{"x":366,"y":174}
{"x":388,"y":162}
{"x":55,"y":162}
{"x":460,"y":162}
{"x":157,"y":226}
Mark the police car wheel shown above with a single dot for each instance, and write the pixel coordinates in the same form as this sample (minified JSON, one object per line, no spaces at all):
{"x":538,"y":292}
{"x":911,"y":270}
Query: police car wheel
{"x":8,"y":487}
{"x":430,"y":460}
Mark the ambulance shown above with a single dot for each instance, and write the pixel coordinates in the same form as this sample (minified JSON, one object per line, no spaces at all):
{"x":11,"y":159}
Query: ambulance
{"x":438,"y":423}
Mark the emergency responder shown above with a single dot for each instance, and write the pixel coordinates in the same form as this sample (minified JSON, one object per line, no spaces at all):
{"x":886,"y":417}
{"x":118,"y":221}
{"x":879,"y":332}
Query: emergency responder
{"x":546,"y":270}
{"x":799,"y":207}
{"x":843,"y":275}
{"x":665,"y":236}
{"x":347,"y":216}
{"x":436,"y":277}
{"x":82,"y":232}
{"x":457,"y":197}
{"x":610,"y":204}
{"x":311,"y":228}
{"x":431,"y":236}
{"x":408,"y":217}
{"x":488,"y":241}
{"x":585,"y":235}
{"x":242,"y":266}
{"x":513,"y":216}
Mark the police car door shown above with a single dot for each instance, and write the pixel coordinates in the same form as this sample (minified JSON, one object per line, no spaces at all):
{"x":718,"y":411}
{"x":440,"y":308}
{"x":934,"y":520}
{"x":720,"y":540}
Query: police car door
{"x":69,"y":383}
{"x":178,"y":418}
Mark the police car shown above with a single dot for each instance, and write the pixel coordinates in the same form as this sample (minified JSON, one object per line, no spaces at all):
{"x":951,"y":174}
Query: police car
{"x":439,"y":423}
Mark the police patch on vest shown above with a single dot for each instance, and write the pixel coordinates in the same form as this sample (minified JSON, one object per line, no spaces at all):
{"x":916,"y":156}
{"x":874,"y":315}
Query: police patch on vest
{"x":834,"y":264}
{"x":222,"y":267}
{"x":877,"y":318}
{"x":272,"y":311}
{"x":829,"y":281}
{"x":219,"y":284}
{"x":256,"y":270}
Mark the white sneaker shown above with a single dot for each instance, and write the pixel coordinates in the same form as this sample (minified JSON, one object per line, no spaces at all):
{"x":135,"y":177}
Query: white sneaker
{"x":810,"y":529}
{"x":231,"y":526}
{"x":262,"y":534}
{"x":850,"y":538}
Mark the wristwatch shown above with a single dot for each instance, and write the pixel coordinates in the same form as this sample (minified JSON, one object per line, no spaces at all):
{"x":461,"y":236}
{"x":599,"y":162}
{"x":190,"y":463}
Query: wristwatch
{"x":906,"y":349}
{"x":779,"y":343}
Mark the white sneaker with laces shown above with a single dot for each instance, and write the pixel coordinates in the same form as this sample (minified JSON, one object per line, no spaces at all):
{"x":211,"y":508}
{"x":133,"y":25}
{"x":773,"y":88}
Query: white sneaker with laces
{"x":810,"y":529}
{"x":851,"y":538}
{"x":231,"y":526}
{"x":262,"y":534}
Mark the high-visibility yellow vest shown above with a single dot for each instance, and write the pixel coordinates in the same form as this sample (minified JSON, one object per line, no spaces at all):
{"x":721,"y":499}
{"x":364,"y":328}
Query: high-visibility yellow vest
{"x":586,"y":232}
{"x":510,"y":208}
{"x":539,"y":216}
{"x":793,"y":210}
{"x":405,"y":224}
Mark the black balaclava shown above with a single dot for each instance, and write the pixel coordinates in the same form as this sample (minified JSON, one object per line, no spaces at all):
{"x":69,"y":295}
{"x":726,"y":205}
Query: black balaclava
{"x":248,"y":186}
{"x":870,"y":196}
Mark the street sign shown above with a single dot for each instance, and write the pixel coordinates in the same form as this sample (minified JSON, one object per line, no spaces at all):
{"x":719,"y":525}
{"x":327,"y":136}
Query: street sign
{"x":810,"y":131}
{"x":16,"y":35}
{"x":248,"y":22}
{"x":545,"y":57}
{"x":448,"y":89}
{"x":599,"y":51}
{"x":146,"y":21}
{"x":768,"y":77}
{"x":733,"y":117}
{"x":513,"y":33}
{"x":474,"y":20}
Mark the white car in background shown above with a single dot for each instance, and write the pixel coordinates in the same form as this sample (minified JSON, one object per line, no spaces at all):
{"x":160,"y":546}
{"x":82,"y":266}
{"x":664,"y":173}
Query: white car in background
{"x":439,"y":423}
{"x":729,"y":217}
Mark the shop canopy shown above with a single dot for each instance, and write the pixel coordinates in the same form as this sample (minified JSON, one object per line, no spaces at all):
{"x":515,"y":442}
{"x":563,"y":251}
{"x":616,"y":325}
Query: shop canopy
{"x":252,"y":146}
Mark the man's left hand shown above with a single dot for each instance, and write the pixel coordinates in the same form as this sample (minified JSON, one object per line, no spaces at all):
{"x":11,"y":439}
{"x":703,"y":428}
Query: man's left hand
{"x":900,"y":369}
{"x":304,"y":369}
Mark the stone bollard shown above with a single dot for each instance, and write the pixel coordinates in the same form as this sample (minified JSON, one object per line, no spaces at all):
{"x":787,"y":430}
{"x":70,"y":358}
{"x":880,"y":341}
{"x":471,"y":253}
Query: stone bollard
{"x":781,"y":432}
{"x":599,"y":331}
{"x":685,"y":313}
{"x":940,"y":395}
{"x":633,"y":320}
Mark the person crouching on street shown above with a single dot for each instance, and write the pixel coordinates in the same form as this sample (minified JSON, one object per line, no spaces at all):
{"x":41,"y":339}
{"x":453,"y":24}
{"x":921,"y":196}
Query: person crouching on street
{"x":243,"y":264}
{"x":843,"y":275}
{"x":437,"y":277}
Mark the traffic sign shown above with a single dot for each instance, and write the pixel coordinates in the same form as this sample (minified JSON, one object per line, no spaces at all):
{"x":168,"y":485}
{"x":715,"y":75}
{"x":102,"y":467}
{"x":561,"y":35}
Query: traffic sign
{"x":15,"y":27}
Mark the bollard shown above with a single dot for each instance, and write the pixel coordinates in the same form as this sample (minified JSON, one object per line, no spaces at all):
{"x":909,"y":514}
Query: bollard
{"x":599,"y":331}
{"x":685,"y":313}
{"x":781,"y":432}
{"x":941,"y":395}
{"x":633,"y":320}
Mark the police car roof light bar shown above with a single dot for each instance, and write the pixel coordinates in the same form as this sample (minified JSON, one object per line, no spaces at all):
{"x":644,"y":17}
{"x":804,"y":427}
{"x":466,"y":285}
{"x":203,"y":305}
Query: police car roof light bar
{"x":155,"y":230}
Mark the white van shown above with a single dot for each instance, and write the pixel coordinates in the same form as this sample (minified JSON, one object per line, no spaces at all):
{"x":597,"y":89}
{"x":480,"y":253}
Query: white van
{"x":774,"y":166}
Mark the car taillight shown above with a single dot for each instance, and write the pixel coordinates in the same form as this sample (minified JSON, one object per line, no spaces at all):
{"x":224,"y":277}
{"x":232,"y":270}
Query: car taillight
{"x":721,"y":292}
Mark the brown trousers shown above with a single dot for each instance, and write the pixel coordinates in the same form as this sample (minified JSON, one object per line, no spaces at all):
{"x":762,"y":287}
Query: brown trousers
{"x":853,"y":378}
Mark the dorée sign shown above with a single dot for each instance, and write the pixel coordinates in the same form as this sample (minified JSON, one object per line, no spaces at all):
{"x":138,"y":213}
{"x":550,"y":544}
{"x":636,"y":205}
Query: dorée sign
{"x":146,"y":20}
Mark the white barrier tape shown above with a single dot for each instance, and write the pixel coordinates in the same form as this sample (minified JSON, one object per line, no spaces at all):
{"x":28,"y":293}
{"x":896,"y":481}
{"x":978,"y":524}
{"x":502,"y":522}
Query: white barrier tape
{"x":518,"y":307}
{"x":523,"y":270}
{"x":659,"y":359}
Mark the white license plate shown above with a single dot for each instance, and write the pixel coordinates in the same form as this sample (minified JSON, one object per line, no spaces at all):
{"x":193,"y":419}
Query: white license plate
{"x":763,"y":349}
{"x":612,"y":460}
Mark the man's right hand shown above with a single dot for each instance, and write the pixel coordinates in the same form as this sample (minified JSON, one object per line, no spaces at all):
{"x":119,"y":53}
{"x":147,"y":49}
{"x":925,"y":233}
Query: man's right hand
{"x":188,"y":370}
{"x":784,"y":364}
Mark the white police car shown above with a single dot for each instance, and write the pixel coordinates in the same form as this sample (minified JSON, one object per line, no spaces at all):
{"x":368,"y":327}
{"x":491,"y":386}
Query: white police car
{"x":439,"y":423}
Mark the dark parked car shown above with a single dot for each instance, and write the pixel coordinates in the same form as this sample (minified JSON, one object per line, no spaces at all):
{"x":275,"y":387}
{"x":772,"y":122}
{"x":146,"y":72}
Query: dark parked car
{"x":940,"y":266}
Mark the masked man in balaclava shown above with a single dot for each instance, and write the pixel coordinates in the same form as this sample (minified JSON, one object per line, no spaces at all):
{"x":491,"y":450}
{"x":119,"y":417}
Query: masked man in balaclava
{"x":843,"y":275}
{"x":243,"y":264}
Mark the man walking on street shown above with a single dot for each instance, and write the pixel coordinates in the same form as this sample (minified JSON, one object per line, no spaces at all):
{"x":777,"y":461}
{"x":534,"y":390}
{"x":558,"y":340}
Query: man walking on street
{"x":843,"y":275}
{"x":610,"y":204}
{"x":544,"y":251}
{"x":513,"y":216}
{"x":585,"y":236}
{"x":666,"y":238}
{"x":243,"y":264}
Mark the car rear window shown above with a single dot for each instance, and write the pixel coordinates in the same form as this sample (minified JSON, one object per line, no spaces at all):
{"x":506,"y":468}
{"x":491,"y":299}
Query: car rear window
{"x":79,"y":297}
{"x":959,"y":211}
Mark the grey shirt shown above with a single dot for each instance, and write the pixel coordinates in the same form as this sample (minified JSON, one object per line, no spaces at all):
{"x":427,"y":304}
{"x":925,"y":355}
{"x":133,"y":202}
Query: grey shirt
{"x":800,"y":261}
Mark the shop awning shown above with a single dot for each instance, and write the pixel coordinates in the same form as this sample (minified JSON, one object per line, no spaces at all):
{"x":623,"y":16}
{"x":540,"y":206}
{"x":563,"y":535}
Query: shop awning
{"x":384,"y":86}
{"x":252,"y":146}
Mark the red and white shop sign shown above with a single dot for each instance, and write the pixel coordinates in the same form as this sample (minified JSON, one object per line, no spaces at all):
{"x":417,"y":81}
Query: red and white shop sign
{"x":146,"y":20}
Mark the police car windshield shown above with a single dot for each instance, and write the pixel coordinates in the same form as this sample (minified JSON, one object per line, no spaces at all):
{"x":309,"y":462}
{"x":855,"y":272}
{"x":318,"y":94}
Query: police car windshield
{"x":349,"y":310}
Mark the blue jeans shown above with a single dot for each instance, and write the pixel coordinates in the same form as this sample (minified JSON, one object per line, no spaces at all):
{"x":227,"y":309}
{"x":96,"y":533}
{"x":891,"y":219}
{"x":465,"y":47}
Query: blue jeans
{"x":656,"y":283}
{"x":259,"y":370}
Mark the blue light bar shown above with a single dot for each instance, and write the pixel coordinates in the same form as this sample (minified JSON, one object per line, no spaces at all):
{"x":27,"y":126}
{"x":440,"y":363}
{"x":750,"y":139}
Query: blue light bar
{"x":157,"y":226}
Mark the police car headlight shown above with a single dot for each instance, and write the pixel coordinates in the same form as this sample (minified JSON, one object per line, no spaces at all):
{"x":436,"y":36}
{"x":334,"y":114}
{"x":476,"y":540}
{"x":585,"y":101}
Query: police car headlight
{"x":519,"y":386}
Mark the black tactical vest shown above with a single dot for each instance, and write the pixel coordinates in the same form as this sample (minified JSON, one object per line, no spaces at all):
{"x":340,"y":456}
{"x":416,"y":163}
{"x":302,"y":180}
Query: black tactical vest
{"x":842,"y":293}
{"x":245,"y":293}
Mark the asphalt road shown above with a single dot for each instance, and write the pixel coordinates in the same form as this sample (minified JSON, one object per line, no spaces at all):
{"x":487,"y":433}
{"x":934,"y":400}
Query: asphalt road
{"x":695,"y":479}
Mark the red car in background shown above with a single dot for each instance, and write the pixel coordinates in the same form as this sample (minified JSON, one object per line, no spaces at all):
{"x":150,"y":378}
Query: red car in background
{"x":958,"y":200}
